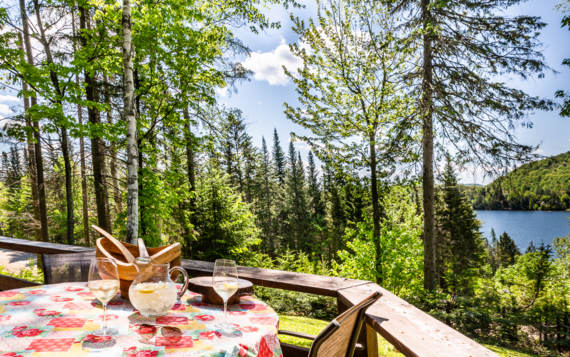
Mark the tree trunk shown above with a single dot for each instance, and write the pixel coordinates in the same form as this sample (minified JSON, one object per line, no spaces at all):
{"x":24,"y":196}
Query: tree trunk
{"x":64,"y":139}
{"x":129,"y":114}
{"x":113,"y":153}
{"x":97,"y":146}
{"x":38,"y":158}
{"x":427,"y":152}
{"x":376,"y":215}
{"x":31,"y":158}
{"x":191,"y":169}
{"x":68,"y":187}
{"x":84,"y":195}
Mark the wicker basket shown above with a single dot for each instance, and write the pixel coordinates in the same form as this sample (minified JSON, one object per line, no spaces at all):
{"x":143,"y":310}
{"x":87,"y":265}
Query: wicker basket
{"x":110,"y":247}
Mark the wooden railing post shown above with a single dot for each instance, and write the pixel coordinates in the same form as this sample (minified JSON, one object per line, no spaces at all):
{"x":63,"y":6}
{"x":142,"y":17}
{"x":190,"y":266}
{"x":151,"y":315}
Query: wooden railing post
{"x":371,"y":341}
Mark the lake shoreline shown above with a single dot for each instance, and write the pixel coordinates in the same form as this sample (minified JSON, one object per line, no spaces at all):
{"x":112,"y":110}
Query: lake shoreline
{"x":525,"y":226}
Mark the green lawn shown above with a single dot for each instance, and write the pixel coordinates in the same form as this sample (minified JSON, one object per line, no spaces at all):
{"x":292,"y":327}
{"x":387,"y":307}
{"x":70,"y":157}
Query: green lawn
{"x":313,"y":326}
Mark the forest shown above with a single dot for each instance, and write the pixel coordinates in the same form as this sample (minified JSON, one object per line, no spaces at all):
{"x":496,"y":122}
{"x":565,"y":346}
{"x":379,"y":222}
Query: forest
{"x":539,"y":185}
{"x":116,"y":123}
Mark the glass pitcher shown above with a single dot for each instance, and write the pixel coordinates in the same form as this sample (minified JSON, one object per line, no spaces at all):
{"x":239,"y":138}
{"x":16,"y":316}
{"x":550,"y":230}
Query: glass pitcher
{"x":152,"y":292}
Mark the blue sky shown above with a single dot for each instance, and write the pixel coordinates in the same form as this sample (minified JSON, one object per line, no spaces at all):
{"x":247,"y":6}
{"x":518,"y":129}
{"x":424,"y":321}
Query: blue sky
{"x":261,"y":99}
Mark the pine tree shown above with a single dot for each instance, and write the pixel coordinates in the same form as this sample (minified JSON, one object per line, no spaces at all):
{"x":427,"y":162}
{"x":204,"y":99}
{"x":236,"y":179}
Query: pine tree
{"x":316,"y":201}
{"x":460,"y":247}
{"x":531,"y":248}
{"x":507,"y":250}
{"x":464,"y":46}
{"x":265,"y":201}
{"x":278,"y":158}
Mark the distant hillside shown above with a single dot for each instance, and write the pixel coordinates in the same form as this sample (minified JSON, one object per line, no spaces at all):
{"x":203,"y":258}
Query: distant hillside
{"x":539,"y":185}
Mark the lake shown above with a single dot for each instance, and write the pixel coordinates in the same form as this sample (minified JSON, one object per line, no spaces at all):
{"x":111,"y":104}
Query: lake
{"x":525,"y":226}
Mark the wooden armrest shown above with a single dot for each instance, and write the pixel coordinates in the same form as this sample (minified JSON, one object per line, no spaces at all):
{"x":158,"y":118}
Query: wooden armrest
{"x":296,"y":334}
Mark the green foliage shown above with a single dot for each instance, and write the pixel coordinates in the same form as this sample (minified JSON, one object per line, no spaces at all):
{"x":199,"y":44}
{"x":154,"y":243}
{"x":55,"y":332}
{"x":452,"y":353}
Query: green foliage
{"x":401,"y":244}
{"x":506,"y":250}
{"x":539,"y":185}
{"x":290,"y":302}
{"x":225,"y":226}
{"x":31,"y":272}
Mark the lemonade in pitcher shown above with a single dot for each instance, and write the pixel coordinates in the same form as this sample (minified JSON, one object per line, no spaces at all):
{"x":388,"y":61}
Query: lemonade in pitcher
{"x":152,"y":292}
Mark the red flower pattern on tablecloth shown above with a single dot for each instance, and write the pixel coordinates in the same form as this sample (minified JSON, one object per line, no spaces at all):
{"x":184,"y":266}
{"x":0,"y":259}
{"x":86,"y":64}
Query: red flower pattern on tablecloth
{"x":204,"y":317}
{"x":96,"y":338}
{"x":61,"y":298}
{"x":209,"y":335}
{"x":66,"y":322}
{"x":5,"y":317}
{"x":115,"y":303}
{"x":248,"y":329}
{"x":51,"y":344}
{"x":8,"y":293}
{"x":132,"y":352}
{"x":243,"y":350}
{"x":146,"y":330}
{"x":44,"y":312}
{"x":264,"y":350}
{"x":10,"y":354}
{"x":175,"y":342}
{"x":19,"y":303}
{"x":172,"y":320}
{"x":73,"y":289}
{"x":179,"y":306}
{"x":36,"y":292}
{"x":24,"y":331}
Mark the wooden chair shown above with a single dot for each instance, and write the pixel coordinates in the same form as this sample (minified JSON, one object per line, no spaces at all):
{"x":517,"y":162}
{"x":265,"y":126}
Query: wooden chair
{"x":67,"y":267}
{"x":339,"y":338}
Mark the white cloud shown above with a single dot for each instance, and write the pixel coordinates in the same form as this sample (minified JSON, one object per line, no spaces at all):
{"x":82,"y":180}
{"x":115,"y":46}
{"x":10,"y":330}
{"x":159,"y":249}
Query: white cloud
{"x":268,"y":66}
{"x":8,"y":99}
{"x":222,"y":92}
{"x":5,"y":109}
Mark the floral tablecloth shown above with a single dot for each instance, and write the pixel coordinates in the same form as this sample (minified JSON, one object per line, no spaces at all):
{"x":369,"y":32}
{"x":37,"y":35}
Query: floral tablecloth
{"x":55,"y":320}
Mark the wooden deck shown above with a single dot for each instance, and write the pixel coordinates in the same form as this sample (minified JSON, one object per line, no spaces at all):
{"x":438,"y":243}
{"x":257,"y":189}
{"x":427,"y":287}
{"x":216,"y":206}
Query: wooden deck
{"x":410,"y":330}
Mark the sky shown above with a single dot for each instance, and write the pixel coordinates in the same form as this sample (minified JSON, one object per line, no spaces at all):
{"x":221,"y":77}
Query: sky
{"x":261,"y":98}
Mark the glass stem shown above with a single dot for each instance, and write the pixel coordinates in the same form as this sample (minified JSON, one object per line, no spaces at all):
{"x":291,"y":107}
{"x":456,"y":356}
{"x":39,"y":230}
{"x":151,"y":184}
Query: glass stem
{"x":104,"y":319}
{"x":226,"y":311}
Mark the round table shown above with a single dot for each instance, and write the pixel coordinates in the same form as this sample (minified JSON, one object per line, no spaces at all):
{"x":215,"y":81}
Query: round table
{"x":54,"y":320}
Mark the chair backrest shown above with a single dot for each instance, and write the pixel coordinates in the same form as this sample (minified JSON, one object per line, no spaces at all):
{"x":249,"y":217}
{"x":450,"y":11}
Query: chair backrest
{"x":67,"y":267}
{"x":338,"y":339}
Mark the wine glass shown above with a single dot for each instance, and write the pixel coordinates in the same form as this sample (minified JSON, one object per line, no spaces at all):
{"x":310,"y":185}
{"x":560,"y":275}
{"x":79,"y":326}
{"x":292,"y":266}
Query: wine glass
{"x":103,"y":284}
{"x":225,"y":281}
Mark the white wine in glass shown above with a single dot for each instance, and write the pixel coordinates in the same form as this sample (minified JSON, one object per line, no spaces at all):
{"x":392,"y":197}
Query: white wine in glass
{"x":225,"y":281}
{"x":103,"y":284}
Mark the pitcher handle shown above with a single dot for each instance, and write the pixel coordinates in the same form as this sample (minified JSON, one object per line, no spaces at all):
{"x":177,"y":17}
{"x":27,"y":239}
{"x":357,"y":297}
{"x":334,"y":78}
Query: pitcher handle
{"x":185,"y":287}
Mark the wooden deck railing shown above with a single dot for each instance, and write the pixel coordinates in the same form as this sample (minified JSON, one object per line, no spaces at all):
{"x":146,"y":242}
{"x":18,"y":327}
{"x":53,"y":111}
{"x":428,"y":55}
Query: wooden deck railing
{"x":410,"y":330}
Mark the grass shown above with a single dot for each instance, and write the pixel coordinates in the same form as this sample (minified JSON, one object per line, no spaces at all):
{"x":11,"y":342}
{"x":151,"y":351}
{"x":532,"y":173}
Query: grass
{"x":507,"y":352}
{"x":314,"y":326}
